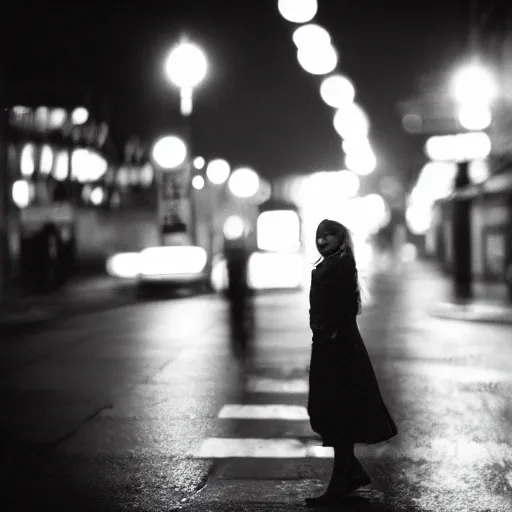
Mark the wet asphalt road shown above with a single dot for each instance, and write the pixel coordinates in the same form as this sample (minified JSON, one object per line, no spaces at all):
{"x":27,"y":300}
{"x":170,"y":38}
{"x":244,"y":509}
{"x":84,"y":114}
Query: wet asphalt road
{"x":138,"y":409}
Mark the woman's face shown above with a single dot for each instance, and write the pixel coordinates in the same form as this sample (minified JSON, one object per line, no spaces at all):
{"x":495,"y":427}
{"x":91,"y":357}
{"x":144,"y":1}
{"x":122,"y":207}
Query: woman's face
{"x":327,"y":243}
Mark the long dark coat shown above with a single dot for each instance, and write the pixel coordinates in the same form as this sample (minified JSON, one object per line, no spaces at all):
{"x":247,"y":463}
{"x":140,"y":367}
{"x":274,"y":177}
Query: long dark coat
{"x":345,"y":402}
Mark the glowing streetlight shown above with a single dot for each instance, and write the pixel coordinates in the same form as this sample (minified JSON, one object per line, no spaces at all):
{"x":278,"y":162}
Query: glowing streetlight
{"x":475,"y":116}
{"x":244,"y":183}
{"x":80,"y":115}
{"x":362,"y":163}
{"x":317,"y":61}
{"x":234,"y":227}
{"x":199,"y":162}
{"x":218,"y":171}
{"x":337,"y":91}
{"x":298,"y":11}
{"x":21,"y":193}
{"x":462,"y":147}
{"x":474,"y":84}
{"x":169,"y":152}
{"x":351,"y":121}
{"x":311,"y":36}
{"x":186,"y":68}
{"x":198,"y":182}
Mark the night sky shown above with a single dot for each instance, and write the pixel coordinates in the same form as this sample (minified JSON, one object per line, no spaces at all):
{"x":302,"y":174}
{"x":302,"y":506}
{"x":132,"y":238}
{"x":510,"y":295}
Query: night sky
{"x":257,"y":106}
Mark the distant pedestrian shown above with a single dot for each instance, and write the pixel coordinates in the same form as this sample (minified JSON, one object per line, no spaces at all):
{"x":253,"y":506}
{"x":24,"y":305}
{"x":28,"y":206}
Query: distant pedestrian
{"x":345,"y":405}
{"x":239,"y":298}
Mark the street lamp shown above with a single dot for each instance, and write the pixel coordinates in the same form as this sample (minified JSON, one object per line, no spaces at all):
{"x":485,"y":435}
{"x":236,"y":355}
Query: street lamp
{"x":186,"y":67}
{"x":474,"y":89}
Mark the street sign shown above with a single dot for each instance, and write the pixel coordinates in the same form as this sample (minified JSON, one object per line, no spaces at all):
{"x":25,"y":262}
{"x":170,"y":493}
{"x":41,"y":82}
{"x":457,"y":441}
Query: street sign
{"x":174,"y":205}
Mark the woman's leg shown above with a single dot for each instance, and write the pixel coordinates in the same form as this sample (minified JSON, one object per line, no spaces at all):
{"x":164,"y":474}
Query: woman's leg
{"x":343,"y":453}
{"x":336,"y":487}
{"x":355,"y":468}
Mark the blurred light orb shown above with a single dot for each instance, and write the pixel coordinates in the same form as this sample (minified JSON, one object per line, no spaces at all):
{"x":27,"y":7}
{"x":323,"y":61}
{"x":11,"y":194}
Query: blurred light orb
{"x":298,"y":11}
{"x":337,"y":91}
{"x":363,"y":163}
{"x":58,"y":117}
{"x":418,"y":218}
{"x":97,"y":196}
{"x":311,"y":36}
{"x":46,"y":159}
{"x":21,"y":193}
{"x":475,"y":116}
{"x":318,"y":61}
{"x":186,"y":66}
{"x":479,"y":170}
{"x":474,"y":84}
{"x":169,"y":152}
{"x":349,"y":183}
{"x":198,"y":182}
{"x":233,"y":228}
{"x":27,"y":160}
{"x":244,"y":183}
{"x":218,"y":171}
{"x":458,"y":148}
{"x":412,"y":123}
{"x":351,"y":122}
{"x":80,"y":115}
{"x":199,"y":162}
{"x":147,"y":174}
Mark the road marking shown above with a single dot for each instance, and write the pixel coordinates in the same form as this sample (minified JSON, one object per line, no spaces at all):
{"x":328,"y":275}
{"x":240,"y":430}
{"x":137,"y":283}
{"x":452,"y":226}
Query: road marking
{"x":219,"y":448}
{"x":265,"y":385}
{"x":264,"y":412}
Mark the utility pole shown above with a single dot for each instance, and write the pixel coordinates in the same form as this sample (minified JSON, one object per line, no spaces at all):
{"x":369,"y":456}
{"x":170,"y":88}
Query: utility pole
{"x":461,"y":237}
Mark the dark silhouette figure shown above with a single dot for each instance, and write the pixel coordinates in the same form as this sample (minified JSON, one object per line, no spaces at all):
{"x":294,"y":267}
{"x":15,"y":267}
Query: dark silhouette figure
{"x":345,"y":405}
{"x":239,"y":298}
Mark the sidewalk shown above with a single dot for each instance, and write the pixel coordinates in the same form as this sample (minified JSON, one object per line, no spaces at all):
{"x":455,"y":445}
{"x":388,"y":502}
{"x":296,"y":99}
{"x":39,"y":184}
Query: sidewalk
{"x":21,"y":312}
{"x":490,"y":302}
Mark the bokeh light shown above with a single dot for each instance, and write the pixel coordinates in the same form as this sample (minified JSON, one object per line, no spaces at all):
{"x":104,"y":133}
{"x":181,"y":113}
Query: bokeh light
{"x":218,"y":171}
{"x":244,"y":183}
{"x":298,"y":11}
{"x":186,"y":65}
{"x":169,"y":152}
{"x":318,"y":61}
{"x":337,"y":91}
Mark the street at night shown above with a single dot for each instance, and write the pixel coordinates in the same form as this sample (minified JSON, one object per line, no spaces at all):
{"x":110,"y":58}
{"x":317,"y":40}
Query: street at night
{"x":256,"y":256}
{"x":144,"y":408}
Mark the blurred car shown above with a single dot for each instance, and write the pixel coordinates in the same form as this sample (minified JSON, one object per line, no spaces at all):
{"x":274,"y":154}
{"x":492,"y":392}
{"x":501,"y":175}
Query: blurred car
{"x":169,"y":266}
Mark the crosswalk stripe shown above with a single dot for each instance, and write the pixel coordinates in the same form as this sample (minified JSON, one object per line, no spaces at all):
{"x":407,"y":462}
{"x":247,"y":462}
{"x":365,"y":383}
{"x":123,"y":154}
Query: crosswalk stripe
{"x":266,"y":385}
{"x":271,"y":411}
{"x":216,"y":447}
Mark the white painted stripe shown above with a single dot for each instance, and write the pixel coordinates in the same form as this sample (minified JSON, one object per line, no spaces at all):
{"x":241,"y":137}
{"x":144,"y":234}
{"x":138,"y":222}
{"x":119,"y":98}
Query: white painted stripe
{"x":509,"y":478}
{"x":264,"y":412}
{"x":264,"y":385}
{"x":219,"y":448}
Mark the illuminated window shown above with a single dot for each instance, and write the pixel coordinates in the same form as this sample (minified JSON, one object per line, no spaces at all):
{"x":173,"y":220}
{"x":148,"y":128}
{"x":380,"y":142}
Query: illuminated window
{"x":278,"y":231}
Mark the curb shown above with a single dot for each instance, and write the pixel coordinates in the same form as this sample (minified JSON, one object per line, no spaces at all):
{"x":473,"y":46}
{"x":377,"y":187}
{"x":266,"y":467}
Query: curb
{"x":484,"y":313}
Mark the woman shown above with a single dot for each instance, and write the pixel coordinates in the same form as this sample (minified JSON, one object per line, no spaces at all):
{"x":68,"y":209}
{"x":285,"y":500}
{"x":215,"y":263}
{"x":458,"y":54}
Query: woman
{"x":345,"y":405}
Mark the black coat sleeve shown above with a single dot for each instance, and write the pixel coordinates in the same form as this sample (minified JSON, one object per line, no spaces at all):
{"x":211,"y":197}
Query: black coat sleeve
{"x":334,"y":296}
